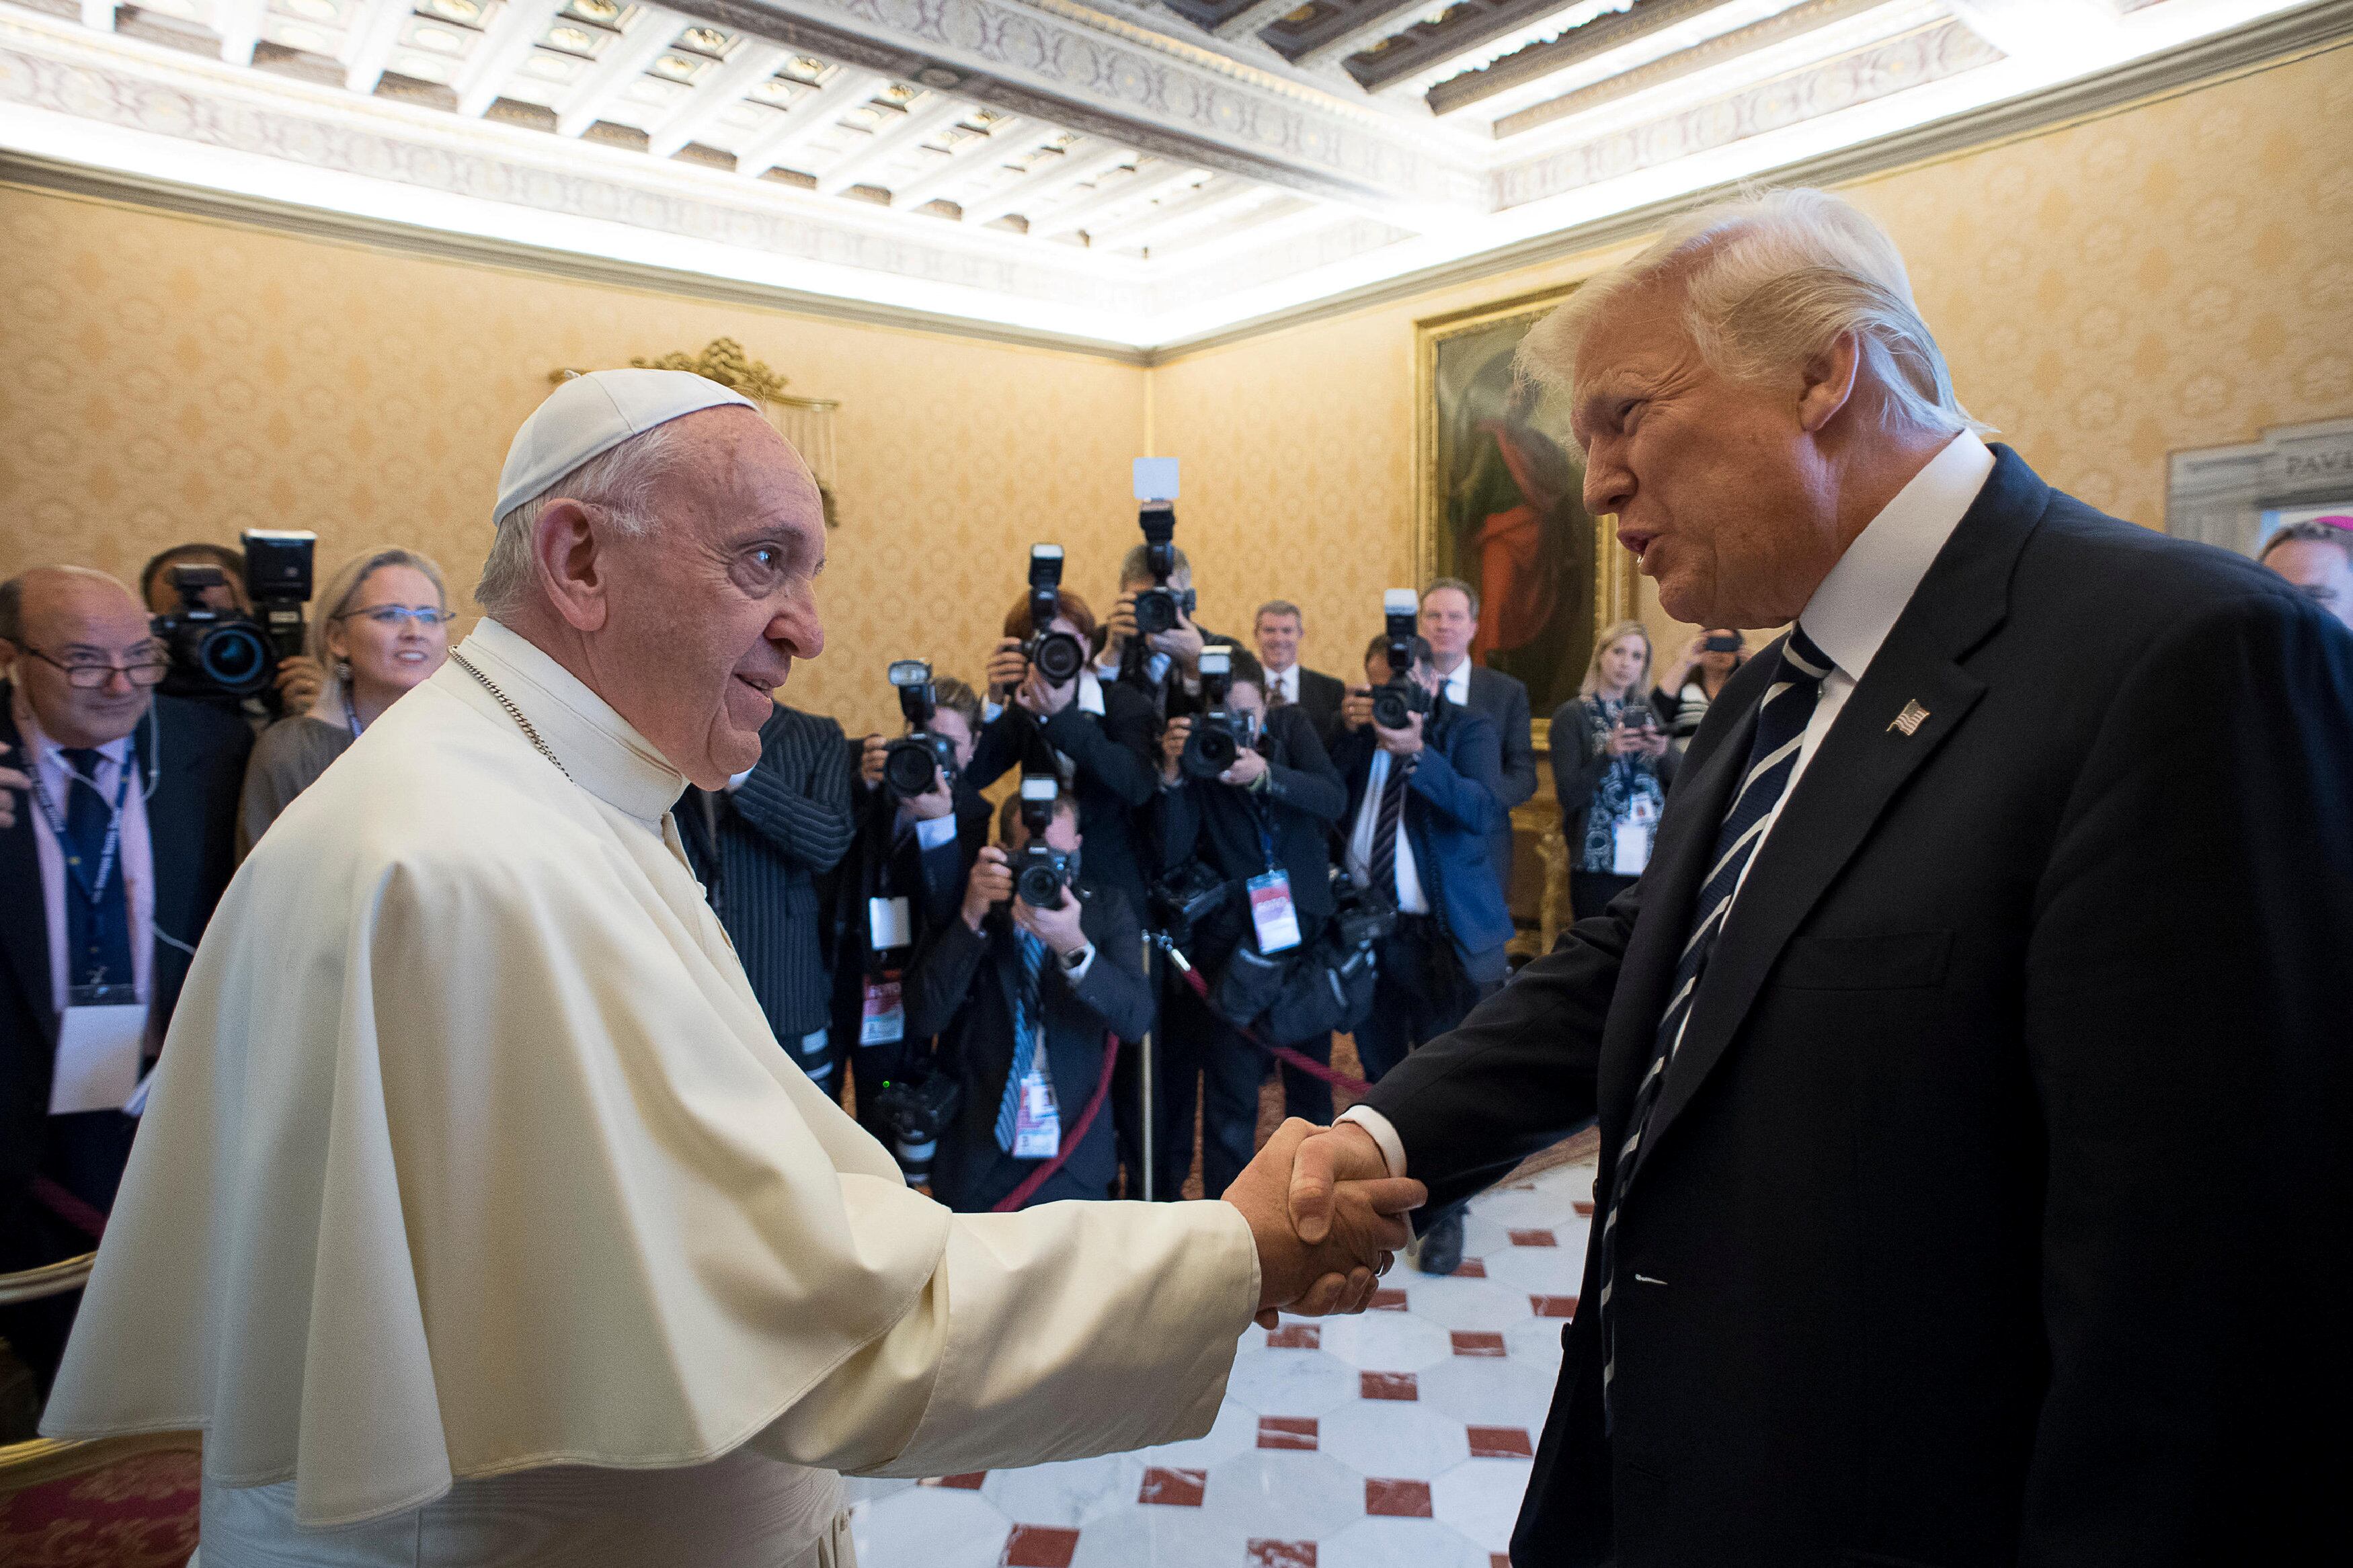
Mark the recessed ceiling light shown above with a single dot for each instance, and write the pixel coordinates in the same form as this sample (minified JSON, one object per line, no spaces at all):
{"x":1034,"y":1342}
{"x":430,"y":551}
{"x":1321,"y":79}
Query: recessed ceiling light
{"x":458,"y":10}
{"x":772,"y":91}
{"x":803,"y":67}
{"x":596,"y":10}
{"x":302,"y":38}
{"x":708,"y":40}
{"x":576,"y":40}
{"x":551,"y":68}
{"x":678,"y":68}
{"x":439,"y":39}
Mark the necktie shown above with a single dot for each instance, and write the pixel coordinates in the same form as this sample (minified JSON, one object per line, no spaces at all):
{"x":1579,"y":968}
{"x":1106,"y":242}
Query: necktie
{"x":1384,"y":831}
{"x":1024,"y":1036}
{"x":1276,"y":694}
{"x":98,"y":930}
{"x":1781,"y":720}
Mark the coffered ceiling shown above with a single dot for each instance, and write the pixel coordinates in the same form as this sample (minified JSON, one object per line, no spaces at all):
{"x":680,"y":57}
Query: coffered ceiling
{"x":1135,"y":173}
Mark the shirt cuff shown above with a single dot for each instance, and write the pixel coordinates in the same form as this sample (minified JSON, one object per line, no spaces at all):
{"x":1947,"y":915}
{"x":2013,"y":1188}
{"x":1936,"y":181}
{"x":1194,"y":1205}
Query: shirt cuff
{"x":1075,"y":972}
{"x":931,"y":832}
{"x":1382,"y":1132}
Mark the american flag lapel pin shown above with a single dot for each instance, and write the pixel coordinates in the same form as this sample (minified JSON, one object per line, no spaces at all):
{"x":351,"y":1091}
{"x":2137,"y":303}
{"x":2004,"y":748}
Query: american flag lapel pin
{"x":1911,"y":719}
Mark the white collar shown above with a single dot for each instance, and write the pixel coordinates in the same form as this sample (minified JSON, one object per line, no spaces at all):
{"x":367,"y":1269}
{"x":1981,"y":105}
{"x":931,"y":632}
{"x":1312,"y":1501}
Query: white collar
{"x":1458,"y":685}
{"x":1857,"y":604}
{"x":602,"y":750}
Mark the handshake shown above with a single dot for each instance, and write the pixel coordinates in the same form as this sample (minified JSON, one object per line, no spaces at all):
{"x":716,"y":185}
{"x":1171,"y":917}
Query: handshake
{"x":1326,"y":1216}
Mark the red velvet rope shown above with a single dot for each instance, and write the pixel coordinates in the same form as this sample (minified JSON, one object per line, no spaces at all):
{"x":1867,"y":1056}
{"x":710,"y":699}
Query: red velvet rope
{"x":68,"y":1208}
{"x":1039,"y":1177}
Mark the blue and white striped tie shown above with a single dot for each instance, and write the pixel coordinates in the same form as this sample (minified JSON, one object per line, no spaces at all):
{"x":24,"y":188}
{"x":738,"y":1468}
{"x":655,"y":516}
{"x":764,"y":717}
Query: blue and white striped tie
{"x":1781,"y":722}
{"x":1025,"y":1037}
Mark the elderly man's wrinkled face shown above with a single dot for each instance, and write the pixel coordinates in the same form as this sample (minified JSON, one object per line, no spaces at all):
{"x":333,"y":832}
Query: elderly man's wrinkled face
{"x":1717,"y":486}
{"x":710,"y":608}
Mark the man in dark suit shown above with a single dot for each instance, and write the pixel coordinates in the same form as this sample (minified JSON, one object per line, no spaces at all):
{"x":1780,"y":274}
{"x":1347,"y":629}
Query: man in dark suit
{"x":760,"y":846}
{"x":1269,"y":814}
{"x":1450,"y":622}
{"x":1066,"y":976}
{"x":1166,"y":669}
{"x":118,"y":831}
{"x":1938,"y":966}
{"x":1421,"y":802}
{"x":1278,"y":630}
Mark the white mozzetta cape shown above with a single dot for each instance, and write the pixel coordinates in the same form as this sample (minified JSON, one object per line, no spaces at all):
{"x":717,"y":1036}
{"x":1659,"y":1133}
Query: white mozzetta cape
{"x":470,"y":1152}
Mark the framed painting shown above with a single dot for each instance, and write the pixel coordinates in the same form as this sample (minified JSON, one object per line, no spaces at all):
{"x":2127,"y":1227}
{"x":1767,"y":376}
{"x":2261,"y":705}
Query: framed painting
{"x":1500,"y":503}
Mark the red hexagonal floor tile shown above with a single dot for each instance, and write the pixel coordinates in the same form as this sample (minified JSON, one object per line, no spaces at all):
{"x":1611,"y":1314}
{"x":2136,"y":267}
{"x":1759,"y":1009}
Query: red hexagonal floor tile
{"x":1176,"y":1489}
{"x":1532,"y":1238}
{"x":1280,"y":1555}
{"x":1397,"y":1500}
{"x":1038,"y":1546}
{"x":1553,"y":1306}
{"x":1500,"y":1443}
{"x":1389,"y":1385}
{"x":1294,"y":1432}
{"x":1477,"y":1341}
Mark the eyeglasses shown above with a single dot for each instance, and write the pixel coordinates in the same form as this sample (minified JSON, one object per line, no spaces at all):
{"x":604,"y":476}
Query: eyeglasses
{"x":424,"y":615}
{"x":89,"y":674}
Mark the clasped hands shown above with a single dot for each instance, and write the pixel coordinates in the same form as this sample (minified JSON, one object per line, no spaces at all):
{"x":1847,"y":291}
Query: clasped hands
{"x":1326,"y":1216}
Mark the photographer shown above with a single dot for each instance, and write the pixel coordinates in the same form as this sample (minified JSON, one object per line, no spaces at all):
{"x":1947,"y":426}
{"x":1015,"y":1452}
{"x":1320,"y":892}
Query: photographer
{"x":1680,"y":699}
{"x":1259,"y":827}
{"x":1009,"y":977}
{"x":1423,"y":798}
{"x":1611,"y":764}
{"x":299,"y":678}
{"x":1167,"y":668}
{"x":901,"y":876}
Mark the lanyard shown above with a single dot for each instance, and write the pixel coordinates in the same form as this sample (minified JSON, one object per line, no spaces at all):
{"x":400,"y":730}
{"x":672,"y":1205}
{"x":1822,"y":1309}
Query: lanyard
{"x":94,"y":888}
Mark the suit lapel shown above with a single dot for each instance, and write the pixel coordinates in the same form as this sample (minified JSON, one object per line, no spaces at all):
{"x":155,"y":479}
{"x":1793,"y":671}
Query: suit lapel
{"x":175,"y":834}
{"x":1863,"y":761}
{"x":23,"y":921}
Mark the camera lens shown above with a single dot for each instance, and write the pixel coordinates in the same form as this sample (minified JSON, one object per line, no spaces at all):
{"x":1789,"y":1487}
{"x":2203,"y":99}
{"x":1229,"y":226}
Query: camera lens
{"x":236,"y":657}
{"x":1039,"y":885}
{"x":1390,"y":710}
{"x":1058,"y":656}
{"x":1155,"y":611}
{"x":909,"y":768}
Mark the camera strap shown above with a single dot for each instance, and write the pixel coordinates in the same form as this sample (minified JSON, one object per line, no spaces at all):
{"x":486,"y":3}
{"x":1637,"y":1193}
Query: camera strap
{"x":1283,"y":1054}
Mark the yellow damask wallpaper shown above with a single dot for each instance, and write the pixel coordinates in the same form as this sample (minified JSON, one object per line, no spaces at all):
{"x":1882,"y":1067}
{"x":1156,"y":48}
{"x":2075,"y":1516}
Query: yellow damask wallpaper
{"x":2177,"y":275}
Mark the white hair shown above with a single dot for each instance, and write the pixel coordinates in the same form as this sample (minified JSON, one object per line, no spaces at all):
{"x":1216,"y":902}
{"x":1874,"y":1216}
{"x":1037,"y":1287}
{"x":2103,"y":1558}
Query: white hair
{"x":619,"y":482}
{"x":1771,"y":280}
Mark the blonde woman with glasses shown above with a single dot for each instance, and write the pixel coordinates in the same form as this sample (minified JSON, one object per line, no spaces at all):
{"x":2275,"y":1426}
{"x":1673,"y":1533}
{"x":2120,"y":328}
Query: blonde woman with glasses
{"x":1611,"y":764}
{"x":382,"y":629}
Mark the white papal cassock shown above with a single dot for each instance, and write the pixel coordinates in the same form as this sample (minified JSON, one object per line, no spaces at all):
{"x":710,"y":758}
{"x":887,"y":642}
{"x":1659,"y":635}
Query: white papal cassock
{"x":471,"y":1154}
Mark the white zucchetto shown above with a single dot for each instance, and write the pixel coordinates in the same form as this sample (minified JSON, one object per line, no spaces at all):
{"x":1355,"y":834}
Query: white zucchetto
{"x":593,"y":414}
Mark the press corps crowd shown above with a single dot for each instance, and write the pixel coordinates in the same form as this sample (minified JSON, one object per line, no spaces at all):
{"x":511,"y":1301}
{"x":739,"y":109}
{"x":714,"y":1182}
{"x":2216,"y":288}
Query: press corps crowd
{"x":1326,"y":870}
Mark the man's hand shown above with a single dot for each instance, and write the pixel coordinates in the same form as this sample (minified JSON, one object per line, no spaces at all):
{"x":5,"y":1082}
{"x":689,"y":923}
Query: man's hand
{"x":1405,"y":742}
{"x":299,"y":680}
{"x":11,"y":783}
{"x":1121,"y":626}
{"x":1008,"y":669}
{"x":870,"y":761}
{"x":1364,"y":1223}
{"x":1058,"y":928}
{"x":1248,"y":769}
{"x":1357,"y":708}
{"x":991,"y":882}
{"x":935,"y":802}
{"x":1183,"y":643}
{"x":1048,"y":701}
{"x":1172,"y":747}
{"x":1328,"y":1156}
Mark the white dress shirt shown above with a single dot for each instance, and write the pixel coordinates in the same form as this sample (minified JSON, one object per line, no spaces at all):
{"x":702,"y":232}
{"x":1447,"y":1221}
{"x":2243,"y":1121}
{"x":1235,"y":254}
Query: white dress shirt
{"x":51,"y":776}
{"x":1457,"y":686}
{"x":1282,"y":685}
{"x":1849,"y":617}
{"x":1408,"y":891}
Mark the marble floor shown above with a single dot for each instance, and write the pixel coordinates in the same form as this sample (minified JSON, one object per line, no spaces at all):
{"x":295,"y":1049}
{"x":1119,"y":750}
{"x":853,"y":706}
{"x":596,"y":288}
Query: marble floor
{"x":1397,"y":1439}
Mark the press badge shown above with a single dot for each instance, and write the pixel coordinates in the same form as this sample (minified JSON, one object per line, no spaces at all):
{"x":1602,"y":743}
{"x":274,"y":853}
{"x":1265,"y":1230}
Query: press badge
{"x":884,"y":1021}
{"x":1635,"y":832}
{"x":1038,"y":1121}
{"x":1271,"y":913}
{"x":888,"y":925}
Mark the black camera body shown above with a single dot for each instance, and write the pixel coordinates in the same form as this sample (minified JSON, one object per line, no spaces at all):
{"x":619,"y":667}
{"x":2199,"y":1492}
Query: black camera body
{"x":1185,"y":897}
{"x":214,"y":653}
{"x":278,"y":563}
{"x":1218,"y":734}
{"x":1158,"y":606}
{"x":1040,"y":872}
{"x":918,"y":762}
{"x":1056,"y":656}
{"x":1394,"y":704}
{"x":1636,"y":716}
{"x":914,"y":1113}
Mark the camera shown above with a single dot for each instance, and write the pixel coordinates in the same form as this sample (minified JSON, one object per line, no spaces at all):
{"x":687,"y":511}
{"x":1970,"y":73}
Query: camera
{"x":1185,"y":897}
{"x":1158,"y":606}
{"x":1728,"y":642}
{"x":1636,"y":716}
{"x":278,"y":582}
{"x":213,"y":652}
{"x":1395,"y":705}
{"x":1056,"y":656}
{"x":916,"y":763}
{"x":1219,"y":735}
{"x":914,"y":1113}
{"x":1040,"y":872}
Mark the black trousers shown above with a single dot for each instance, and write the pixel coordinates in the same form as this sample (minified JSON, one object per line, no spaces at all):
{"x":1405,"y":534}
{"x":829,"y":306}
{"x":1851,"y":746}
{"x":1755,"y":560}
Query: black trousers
{"x":1197,"y":1045}
{"x":1419,"y":991}
{"x":1305,"y":1094}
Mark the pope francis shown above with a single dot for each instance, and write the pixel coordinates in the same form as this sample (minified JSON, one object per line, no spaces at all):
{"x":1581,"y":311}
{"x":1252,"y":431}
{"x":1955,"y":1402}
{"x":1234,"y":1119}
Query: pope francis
{"x":477,"y":1217}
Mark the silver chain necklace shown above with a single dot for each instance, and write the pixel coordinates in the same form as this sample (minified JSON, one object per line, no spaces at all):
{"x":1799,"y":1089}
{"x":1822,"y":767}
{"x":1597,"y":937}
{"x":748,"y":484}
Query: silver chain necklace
{"x":514,"y":712}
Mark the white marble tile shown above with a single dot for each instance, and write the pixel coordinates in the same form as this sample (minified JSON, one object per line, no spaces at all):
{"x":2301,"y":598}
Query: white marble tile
{"x":1290,"y":1383}
{"x":1284,"y":1496}
{"x":1393,"y":1439}
{"x":1069,"y":1494}
{"x":1400,"y":1543}
{"x":1539,"y":1270}
{"x":1234,"y":1432}
{"x":1387,"y":1342}
{"x":1535,"y":1342}
{"x":1455,"y":1303}
{"x":1485,"y":1392}
{"x":1515,"y":1211}
{"x":1481,"y":1498}
{"x":938,"y":1526}
{"x":1482,"y":1236}
{"x":1146,"y":1538}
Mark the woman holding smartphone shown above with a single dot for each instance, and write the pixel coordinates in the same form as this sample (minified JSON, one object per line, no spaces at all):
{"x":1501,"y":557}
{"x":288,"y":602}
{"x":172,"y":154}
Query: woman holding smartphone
{"x":1611,"y":764}
{"x":1691,"y":682}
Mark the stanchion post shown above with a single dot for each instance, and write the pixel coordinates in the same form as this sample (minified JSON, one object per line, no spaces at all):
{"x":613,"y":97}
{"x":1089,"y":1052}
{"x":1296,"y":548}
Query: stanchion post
{"x":1146,"y":1076}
